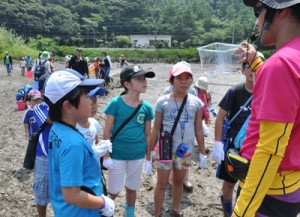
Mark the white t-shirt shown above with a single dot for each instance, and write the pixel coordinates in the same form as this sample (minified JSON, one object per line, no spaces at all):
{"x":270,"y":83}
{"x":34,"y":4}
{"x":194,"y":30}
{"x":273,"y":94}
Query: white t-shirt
{"x":91,"y":132}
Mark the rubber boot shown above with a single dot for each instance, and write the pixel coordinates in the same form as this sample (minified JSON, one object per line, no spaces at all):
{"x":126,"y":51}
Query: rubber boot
{"x":227,"y":207}
{"x":129,"y":210}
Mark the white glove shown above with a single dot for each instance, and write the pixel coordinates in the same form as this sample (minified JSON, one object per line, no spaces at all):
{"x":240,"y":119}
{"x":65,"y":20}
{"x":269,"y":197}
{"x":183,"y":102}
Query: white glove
{"x":109,"y":206}
{"x":218,"y":152}
{"x":106,"y":143}
{"x":99,"y":150}
{"x":108,"y":163}
{"x":148,"y":167}
{"x":205,"y":129}
{"x":202,"y":160}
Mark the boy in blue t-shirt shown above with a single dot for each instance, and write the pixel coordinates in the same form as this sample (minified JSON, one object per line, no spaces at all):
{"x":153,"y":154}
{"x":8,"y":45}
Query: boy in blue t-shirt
{"x":74,"y":172}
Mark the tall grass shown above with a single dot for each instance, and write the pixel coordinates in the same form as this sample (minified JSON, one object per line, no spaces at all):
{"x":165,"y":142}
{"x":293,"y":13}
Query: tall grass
{"x":14,"y":45}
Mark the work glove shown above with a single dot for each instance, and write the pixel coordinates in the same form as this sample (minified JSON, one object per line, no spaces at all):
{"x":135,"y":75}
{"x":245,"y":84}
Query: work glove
{"x":108,"y":163}
{"x":99,"y":150}
{"x":218,"y":152}
{"x":106,"y":143}
{"x":202,"y":160}
{"x":148,"y":167}
{"x":108,"y":208}
{"x":205,"y":129}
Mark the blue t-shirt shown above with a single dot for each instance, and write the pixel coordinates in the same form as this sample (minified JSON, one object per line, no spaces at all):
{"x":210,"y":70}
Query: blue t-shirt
{"x":130,"y":143}
{"x":72,"y":163}
{"x":30,"y":120}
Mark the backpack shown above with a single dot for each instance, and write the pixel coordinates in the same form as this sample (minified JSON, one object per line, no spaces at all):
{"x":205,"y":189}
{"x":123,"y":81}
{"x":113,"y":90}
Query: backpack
{"x":40,"y":69}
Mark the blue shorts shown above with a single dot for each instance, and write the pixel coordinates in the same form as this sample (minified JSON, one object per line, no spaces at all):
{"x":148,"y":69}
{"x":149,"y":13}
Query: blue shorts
{"x":41,"y":181}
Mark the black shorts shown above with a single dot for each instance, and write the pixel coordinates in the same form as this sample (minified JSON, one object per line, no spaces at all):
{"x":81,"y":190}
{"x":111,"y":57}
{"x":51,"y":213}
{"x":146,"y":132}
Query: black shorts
{"x":222,"y":172}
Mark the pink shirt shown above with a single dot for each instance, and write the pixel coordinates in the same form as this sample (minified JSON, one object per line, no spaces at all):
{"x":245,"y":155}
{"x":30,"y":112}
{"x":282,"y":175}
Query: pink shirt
{"x":276,"y":97}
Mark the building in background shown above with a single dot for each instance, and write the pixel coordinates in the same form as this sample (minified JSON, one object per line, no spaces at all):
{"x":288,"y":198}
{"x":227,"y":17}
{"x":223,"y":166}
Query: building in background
{"x":150,"y":40}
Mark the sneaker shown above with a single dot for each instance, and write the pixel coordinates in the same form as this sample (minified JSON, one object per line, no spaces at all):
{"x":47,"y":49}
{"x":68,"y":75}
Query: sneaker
{"x":173,"y":213}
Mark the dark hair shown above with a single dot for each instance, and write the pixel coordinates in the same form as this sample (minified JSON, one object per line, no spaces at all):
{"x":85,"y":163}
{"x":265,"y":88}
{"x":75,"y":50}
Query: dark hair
{"x":122,"y":84}
{"x":295,"y":12}
{"x":101,"y":65}
{"x":55,"y":110}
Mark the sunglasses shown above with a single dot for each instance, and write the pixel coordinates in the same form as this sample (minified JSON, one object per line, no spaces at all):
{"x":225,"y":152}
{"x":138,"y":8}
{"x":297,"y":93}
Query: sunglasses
{"x":257,"y":10}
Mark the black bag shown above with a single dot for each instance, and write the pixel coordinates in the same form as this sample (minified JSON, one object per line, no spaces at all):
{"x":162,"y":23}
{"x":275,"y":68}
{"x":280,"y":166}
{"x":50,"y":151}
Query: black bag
{"x":165,"y":138}
{"x":165,"y":146}
{"x":40,"y":69}
{"x":120,"y":128}
{"x":29,"y":158}
{"x":236,"y":165}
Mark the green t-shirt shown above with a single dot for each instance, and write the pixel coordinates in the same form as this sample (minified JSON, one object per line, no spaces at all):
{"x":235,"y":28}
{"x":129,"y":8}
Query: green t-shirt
{"x":130,"y":143}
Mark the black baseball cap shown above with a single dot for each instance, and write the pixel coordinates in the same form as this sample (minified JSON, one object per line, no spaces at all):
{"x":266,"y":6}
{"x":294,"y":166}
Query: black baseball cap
{"x":133,"y":71}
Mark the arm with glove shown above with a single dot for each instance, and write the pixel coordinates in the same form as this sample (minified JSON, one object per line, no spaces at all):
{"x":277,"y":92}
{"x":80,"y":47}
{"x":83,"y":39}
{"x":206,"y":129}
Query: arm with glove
{"x":200,"y":139}
{"x":218,"y":151}
{"x":107,"y":162}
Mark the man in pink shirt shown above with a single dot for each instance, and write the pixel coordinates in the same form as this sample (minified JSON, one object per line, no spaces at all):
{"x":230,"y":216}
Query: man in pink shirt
{"x":272,"y":185}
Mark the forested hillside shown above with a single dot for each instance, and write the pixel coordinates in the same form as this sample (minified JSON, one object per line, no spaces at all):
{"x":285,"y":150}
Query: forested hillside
{"x":101,"y":22}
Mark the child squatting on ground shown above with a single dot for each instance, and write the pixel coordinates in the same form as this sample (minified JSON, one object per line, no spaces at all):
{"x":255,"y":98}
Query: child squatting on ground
{"x":74,"y":172}
{"x":132,"y":143}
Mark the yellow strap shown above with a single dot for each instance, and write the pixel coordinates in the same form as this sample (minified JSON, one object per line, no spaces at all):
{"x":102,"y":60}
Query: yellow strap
{"x":256,"y":64}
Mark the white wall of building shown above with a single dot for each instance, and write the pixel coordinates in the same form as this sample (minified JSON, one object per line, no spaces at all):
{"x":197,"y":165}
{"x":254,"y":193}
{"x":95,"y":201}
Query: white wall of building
{"x":148,"y":40}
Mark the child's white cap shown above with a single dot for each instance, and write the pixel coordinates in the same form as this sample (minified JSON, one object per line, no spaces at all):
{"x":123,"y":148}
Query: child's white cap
{"x":202,"y":83}
{"x":62,"y":82}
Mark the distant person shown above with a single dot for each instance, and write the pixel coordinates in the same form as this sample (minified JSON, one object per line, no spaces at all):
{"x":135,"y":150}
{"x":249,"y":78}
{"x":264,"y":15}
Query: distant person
{"x":101,"y":71}
{"x":132,"y":143}
{"x":74,"y":171}
{"x":107,"y":66}
{"x":234,"y":102}
{"x":67,"y":59}
{"x":29,"y":63}
{"x":96,"y":67}
{"x":51,"y":60}
{"x":23,"y":66}
{"x":123,"y":61}
{"x":43,"y":67}
{"x":8,"y":63}
{"x":78,"y":63}
{"x":201,"y":89}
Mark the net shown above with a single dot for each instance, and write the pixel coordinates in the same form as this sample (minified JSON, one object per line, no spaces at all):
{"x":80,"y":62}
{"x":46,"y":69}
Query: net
{"x":219,"y":58}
